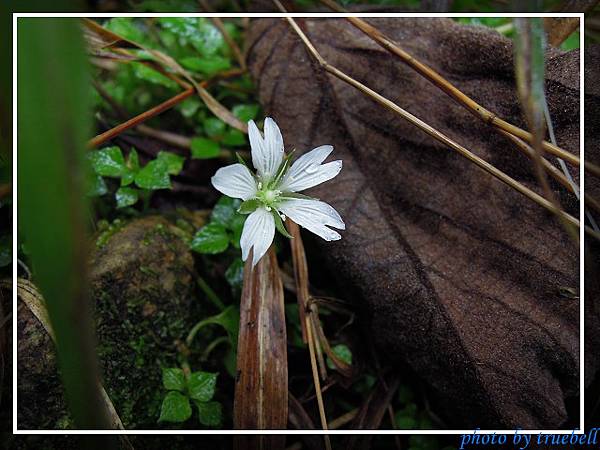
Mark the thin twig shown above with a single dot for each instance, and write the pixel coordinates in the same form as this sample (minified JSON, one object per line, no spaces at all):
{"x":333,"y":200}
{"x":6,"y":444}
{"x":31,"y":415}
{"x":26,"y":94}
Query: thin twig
{"x":481,"y":163}
{"x":464,"y":100}
{"x":174,"y":139}
{"x":134,"y":121}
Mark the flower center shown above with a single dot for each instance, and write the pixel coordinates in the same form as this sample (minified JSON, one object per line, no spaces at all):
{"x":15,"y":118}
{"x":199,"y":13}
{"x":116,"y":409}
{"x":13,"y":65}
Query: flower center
{"x":267,"y":196}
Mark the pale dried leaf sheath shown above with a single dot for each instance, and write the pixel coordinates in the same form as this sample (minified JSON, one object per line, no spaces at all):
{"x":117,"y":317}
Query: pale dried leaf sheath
{"x":261,"y":390}
{"x":30,"y":295}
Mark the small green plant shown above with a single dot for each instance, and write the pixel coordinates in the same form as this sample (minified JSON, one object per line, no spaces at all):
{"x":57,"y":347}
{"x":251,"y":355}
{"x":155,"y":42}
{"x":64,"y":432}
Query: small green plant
{"x":224,"y":228}
{"x":183,"y":389}
{"x":135,"y":181}
{"x":343,"y":352}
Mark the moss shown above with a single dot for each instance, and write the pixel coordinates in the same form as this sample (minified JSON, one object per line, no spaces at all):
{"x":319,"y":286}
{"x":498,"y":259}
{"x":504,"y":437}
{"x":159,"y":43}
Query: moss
{"x":142,"y":286}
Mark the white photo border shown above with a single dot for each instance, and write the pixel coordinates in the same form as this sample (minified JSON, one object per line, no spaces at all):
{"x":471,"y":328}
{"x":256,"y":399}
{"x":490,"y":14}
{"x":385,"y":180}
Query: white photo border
{"x":459,"y":432}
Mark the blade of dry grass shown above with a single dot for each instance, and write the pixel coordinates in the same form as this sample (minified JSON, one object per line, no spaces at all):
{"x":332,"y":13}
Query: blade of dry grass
{"x":481,"y":163}
{"x":261,"y":388}
{"x":307,"y":315}
{"x":530,"y":74}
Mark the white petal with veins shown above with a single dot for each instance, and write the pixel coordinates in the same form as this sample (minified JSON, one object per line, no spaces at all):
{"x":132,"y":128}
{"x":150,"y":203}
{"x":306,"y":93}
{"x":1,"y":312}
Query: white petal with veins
{"x":314,"y":215}
{"x":235,"y":181}
{"x":258,"y":233}
{"x":267,"y":152}
{"x":307,"y":171}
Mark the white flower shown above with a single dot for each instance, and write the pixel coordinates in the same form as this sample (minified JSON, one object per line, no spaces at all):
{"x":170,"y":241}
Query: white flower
{"x":272,"y":194}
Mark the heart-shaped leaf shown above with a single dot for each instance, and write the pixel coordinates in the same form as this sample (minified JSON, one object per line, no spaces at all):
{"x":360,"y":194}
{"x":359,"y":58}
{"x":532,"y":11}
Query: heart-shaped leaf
{"x":175,"y":408}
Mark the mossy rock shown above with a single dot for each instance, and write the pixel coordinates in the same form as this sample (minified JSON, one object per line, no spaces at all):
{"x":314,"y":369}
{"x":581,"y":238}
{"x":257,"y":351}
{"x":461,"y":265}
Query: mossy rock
{"x":39,"y":390}
{"x":142,"y":282}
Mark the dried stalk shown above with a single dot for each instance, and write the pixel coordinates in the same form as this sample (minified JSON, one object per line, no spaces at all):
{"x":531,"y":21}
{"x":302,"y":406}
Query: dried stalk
{"x":481,"y":163}
{"x":261,"y":389}
{"x":464,"y":100}
{"x":301,"y":273}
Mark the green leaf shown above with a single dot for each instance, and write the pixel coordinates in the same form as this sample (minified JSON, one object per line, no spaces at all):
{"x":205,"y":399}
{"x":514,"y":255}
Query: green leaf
{"x":241,"y":160}
{"x":54,"y":122}
{"x":225,"y":211}
{"x":245,"y":112}
{"x":209,"y":40}
{"x":342,"y":352}
{"x":201,"y":385}
{"x":229,"y":319}
{"x":234,"y":138}
{"x":133,"y":161}
{"x":279,"y":224}
{"x":155,"y":175}
{"x":405,"y":422}
{"x":235,"y":273}
{"x":189,"y":106}
{"x":211,"y":239}
{"x":405,"y":394}
{"x":95,"y":185}
{"x":173,"y":379}
{"x":203,"y":148}
{"x":174,"y":162}
{"x":208,"y":66}
{"x":423,"y":442}
{"x":132,"y":167}
{"x":230,"y":361}
{"x":125,"y":27}
{"x":405,"y":418}
{"x":214,"y":127}
{"x":185,"y":28}
{"x":146,"y":73}
{"x":175,"y":408}
{"x":126,"y":197}
{"x":248,"y":206}
{"x":108,"y":162}
{"x":210,"y":414}
{"x":237,"y":226}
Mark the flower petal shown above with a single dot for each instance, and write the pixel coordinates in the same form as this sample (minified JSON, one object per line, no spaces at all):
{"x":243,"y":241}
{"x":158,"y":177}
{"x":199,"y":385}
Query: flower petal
{"x":258,"y":233}
{"x":257,"y":146}
{"x":267,"y":153}
{"x":314,"y":215}
{"x":274,"y":145}
{"x":307,"y":171}
{"x":235,"y":181}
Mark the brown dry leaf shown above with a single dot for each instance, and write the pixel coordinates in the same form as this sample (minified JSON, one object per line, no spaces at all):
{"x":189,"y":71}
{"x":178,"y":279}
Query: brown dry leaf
{"x":261,"y":388}
{"x":458,"y":275}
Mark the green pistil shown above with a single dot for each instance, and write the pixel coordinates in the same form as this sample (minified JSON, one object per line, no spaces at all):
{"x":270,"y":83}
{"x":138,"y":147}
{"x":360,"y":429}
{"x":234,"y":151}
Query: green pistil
{"x":268,"y":197}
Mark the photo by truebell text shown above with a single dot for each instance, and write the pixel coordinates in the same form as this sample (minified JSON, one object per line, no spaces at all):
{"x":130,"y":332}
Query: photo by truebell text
{"x":522,"y":441}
